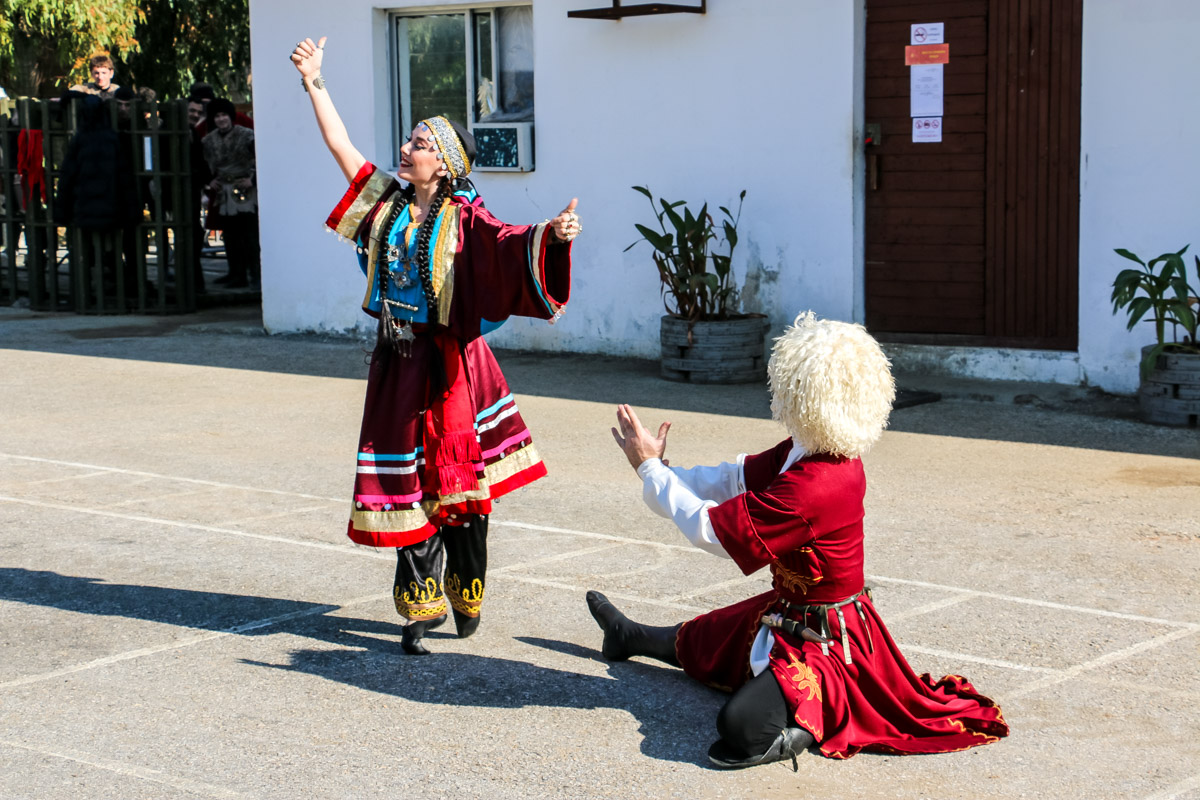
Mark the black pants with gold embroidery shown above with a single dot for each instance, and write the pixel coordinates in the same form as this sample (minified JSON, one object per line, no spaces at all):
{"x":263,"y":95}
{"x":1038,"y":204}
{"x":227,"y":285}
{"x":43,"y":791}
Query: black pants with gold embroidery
{"x":457,"y":552}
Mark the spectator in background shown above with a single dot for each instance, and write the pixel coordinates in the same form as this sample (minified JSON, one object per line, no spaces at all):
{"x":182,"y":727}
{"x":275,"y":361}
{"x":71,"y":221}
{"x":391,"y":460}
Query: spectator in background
{"x":201,"y":177}
{"x":205,"y":94}
{"x":29,"y":181}
{"x":124,"y":96}
{"x":97,"y":193}
{"x":229,"y":151}
{"x":195,"y":112}
{"x":101,"y":69}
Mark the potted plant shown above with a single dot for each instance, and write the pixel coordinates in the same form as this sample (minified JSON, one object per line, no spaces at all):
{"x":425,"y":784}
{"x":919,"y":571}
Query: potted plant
{"x":705,"y":339}
{"x":1170,"y":368}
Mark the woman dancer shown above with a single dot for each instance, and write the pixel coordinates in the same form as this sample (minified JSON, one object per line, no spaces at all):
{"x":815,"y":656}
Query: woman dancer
{"x":810,"y":661}
{"x":441,"y":436}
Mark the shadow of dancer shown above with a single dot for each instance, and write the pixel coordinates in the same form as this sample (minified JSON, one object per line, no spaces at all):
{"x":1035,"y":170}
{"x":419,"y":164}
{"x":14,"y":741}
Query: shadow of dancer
{"x":367,"y":655}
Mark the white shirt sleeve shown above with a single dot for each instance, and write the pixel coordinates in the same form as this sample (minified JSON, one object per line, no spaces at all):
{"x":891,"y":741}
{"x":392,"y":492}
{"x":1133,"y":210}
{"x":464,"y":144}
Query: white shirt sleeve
{"x":669,"y":496}
{"x":720,"y":483}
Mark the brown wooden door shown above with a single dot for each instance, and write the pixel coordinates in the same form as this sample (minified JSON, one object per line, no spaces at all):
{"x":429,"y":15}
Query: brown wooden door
{"x":974,"y":239}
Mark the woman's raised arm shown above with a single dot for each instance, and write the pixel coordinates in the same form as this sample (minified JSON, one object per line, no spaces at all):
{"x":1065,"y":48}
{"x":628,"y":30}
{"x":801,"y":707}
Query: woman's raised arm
{"x":308,"y":57}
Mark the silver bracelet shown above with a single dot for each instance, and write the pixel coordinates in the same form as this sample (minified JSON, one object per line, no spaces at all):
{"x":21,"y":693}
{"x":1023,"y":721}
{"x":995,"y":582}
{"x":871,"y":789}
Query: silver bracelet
{"x":318,"y":82}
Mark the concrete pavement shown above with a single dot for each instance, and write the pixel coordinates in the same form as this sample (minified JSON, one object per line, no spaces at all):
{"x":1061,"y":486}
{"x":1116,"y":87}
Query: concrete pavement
{"x":181,"y":614}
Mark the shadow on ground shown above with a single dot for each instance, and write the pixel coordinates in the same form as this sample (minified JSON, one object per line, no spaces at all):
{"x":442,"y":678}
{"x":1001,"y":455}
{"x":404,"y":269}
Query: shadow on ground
{"x":368,"y":656}
{"x":233,"y":338}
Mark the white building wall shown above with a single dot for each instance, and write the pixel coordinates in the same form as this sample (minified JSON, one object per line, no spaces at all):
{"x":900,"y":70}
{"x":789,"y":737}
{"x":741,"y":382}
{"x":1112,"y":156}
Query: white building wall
{"x":1139,"y":166}
{"x":763,"y":96}
{"x":757,"y":96}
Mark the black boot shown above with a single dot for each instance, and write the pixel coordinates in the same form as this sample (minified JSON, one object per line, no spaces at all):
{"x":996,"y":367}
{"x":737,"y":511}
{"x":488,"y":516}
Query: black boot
{"x":624,"y":638}
{"x":410,"y":637}
{"x":466,"y":625}
{"x":790,"y":743}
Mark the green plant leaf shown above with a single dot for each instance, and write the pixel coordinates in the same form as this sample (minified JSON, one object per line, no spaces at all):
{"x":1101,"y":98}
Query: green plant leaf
{"x":644,"y":191}
{"x":1137,"y":309}
{"x":659,"y":241}
{"x":1123,"y":252}
{"x":675,"y":219}
{"x":731,"y":235}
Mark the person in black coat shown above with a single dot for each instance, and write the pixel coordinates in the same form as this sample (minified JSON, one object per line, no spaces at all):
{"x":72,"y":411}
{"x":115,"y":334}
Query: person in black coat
{"x":97,"y":191}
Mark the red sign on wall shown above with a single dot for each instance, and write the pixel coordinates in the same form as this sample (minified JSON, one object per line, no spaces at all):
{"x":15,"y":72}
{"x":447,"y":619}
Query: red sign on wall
{"x":915,"y":54}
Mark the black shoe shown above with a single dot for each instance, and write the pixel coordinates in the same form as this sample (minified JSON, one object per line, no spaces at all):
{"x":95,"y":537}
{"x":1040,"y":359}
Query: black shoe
{"x":466,"y":625}
{"x":624,"y":638}
{"x":410,"y":637}
{"x":790,"y":743}
{"x":612,"y":622}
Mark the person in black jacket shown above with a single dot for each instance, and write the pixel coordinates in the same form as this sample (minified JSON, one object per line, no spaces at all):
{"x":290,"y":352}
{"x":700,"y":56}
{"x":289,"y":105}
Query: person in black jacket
{"x":97,"y":193}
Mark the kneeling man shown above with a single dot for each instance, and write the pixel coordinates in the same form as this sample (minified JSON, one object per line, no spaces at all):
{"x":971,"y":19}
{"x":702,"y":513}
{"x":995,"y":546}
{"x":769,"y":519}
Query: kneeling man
{"x":809,"y":662}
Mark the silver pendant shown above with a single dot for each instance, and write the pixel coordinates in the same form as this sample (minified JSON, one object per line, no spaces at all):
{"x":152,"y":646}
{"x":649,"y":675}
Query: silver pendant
{"x":404,"y":335}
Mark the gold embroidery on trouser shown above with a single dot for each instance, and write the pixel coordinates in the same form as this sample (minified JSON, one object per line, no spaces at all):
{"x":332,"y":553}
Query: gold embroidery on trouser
{"x":465,"y":601}
{"x":420,"y":602}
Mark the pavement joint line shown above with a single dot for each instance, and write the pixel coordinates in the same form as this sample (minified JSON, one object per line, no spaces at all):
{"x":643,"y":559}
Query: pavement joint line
{"x":991,"y":662}
{"x":338,"y":548}
{"x":667,"y":603}
{"x":132,"y":771}
{"x":276,"y":515}
{"x":716,"y":587}
{"x":1176,"y":790}
{"x":557,"y":557}
{"x":1043,"y":603}
{"x":157,"y":497}
{"x":370,"y":553}
{"x":687,"y":548}
{"x":684,"y":548}
{"x":60,"y":479}
{"x":171,"y":477}
{"x":1102,"y":661}
{"x":179,"y":644}
{"x":1187,"y":628}
{"x":936,"y":605}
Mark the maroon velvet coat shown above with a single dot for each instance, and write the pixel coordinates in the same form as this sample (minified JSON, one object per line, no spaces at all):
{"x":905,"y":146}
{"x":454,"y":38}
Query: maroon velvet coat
{"x":806,"y":525}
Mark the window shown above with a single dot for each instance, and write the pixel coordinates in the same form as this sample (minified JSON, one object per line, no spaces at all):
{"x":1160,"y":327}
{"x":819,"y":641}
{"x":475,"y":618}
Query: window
{"x":474,"y":66}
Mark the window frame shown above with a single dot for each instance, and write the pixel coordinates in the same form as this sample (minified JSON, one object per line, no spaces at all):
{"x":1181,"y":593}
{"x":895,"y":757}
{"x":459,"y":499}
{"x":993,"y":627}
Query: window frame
{"x":399,"y":86}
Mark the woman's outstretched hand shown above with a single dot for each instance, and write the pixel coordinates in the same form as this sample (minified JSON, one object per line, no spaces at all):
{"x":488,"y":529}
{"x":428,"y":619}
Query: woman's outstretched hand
{"x":308,"y":56}
{"x":566,"y":224}
{"x":635,"y":440}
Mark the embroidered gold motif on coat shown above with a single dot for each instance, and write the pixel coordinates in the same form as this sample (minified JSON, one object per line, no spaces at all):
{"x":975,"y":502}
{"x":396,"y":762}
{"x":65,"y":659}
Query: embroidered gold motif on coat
{"x":466,"y":601}
{"x":805,"y":678}
{"x":791,"y":580}
{"x":421,"y":601}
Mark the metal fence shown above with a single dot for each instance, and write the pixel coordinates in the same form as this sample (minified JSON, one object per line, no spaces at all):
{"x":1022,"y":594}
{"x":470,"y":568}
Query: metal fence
{"x":147,"y":264}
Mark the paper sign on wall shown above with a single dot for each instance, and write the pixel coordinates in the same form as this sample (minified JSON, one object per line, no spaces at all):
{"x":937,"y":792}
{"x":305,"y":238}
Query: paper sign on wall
{"x":928,"y":33}
{"x":927,"y":129}
{"x":926,"y":86}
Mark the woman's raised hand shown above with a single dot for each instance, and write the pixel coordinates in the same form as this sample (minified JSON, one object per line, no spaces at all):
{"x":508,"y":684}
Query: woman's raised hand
{"x":566,"y":225}
{"x":308,"y":56}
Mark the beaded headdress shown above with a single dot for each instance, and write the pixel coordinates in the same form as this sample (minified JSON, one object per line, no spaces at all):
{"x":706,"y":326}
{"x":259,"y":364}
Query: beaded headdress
{"x":454,"y":156}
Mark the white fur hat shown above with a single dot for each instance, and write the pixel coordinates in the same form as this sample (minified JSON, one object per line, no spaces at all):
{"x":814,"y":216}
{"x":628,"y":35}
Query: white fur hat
{"x":831,"y":386}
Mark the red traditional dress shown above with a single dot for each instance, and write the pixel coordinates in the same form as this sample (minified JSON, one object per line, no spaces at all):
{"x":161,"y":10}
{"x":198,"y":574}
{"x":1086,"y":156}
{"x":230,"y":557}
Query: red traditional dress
{"x":858,"y":692}
{"x":483,"y":271}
